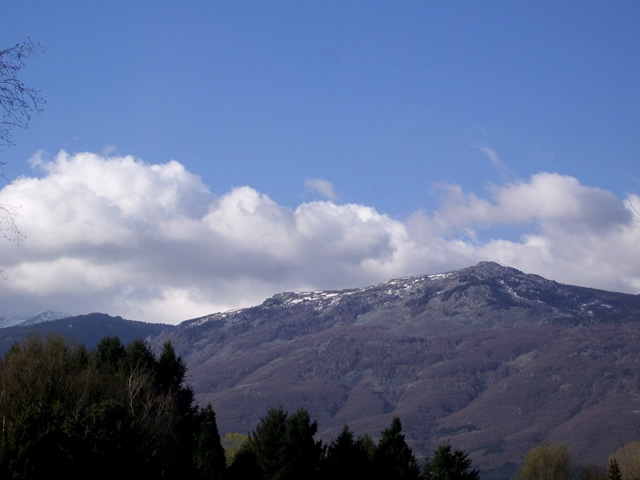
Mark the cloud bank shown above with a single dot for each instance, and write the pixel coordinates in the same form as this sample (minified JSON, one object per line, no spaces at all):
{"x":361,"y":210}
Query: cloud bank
{"x":151,"y":242}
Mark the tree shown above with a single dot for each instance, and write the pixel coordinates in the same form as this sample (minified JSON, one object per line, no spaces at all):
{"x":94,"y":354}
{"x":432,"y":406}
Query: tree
{"x":209,"y":456}
{"x":547,"y":461}
{"x":267,"y":443}
{"x":303,"y":453}
{"x":627,"y":459}
{"x":282,"y":447}
{"x":613,"y":472}
{"x":18,"y":101}
{"x":347,"y":457}
{"x":66,"y":411}
{"x":449,"y":465}
{"x":393,"y":459}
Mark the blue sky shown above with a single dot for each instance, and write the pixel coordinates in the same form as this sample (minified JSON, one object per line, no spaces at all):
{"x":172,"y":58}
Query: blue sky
{"x":364,"y":140}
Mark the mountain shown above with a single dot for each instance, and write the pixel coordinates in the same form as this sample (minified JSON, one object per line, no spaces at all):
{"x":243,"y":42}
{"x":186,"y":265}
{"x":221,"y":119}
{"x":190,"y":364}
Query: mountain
{"x":85,"y":329}
{"x":42,"y":317}
{"x":487,"y":357}
{"x":11,"y":321}
{"x":47,"y":316}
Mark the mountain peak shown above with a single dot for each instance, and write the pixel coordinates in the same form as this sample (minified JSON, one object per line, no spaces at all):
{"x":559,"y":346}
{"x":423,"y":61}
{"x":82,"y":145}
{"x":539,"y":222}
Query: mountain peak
{"x":487,"y":295}
{"x":453,"y":353}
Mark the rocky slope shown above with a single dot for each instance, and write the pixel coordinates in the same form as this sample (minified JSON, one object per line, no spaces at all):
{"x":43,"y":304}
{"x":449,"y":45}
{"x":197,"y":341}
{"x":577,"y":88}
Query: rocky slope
{"x":487,"y":357}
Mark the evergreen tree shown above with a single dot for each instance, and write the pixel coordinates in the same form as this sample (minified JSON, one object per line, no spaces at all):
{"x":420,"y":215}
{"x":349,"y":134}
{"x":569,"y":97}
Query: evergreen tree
{"x":209,"y":459}
{"x":348,"y":458}
{"x":302,"y":452}
{"x":283,"y":446}
{"x":268,"y":443}
{"x":449,"y":465}
{"x":109,"y":352}
{"x":393,"y":459}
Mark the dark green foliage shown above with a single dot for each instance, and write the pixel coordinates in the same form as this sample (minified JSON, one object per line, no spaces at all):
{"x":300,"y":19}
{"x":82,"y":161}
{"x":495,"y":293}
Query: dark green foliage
{"x":393,"y":459}
{"x":208,"y":456}
{"x":282,"y":447}
{"x":109,"y":352}
{"x":348,"y":458}
{"x":67,"y":411}
{"x":303,"y":452}
{"x":267,"y":442}
{"x":448,"y":464}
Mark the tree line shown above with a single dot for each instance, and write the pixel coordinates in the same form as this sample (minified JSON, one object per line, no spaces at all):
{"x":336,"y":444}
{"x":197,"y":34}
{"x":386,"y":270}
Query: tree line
{"x":123,"y":411}
{"x":283,"y":447}
{"x":106,"y":413}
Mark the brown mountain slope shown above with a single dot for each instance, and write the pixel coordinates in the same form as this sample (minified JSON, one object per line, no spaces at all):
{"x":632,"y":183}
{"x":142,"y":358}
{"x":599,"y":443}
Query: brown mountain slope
{"x":487,"y":357}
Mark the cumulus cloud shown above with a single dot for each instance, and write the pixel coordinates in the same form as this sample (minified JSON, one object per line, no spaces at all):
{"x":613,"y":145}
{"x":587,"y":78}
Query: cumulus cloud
{"x":151,"y":242}
{"x":321,"y":186}
{"x":549,"y":199}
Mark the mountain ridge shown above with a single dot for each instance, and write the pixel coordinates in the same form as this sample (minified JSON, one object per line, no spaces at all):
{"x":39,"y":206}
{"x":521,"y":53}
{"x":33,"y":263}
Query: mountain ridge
{"x":453,"y":354}
{"x":33,"y":319}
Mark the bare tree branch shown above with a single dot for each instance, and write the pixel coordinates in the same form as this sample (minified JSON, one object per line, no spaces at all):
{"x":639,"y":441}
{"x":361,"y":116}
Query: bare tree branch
{"x":8,"y":227}
{"x":18,"y":102}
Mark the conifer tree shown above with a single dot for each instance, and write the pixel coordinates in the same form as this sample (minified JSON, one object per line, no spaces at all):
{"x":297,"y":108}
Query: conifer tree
{"x":209,"y":459}
{"x":449,"y":465}
{"x":282,"y":446}
{"x":393,"y":459}
{"x":347,"y":458}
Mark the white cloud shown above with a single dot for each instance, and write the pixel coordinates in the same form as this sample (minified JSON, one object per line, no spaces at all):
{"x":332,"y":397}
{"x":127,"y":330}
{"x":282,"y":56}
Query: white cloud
{"x":321,"y":186}
{"x":151,"y":242}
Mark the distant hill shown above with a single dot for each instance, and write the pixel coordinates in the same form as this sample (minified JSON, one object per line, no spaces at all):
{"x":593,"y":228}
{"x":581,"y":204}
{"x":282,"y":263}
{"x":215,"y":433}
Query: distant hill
{"x":85,"y":329}
{"x":487,"y":357}
{"x":45,"y":317}
{"x":42,"y":317}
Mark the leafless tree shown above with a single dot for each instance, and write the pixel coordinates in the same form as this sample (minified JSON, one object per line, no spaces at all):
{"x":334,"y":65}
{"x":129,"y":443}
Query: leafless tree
{"x":18,"y":102}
